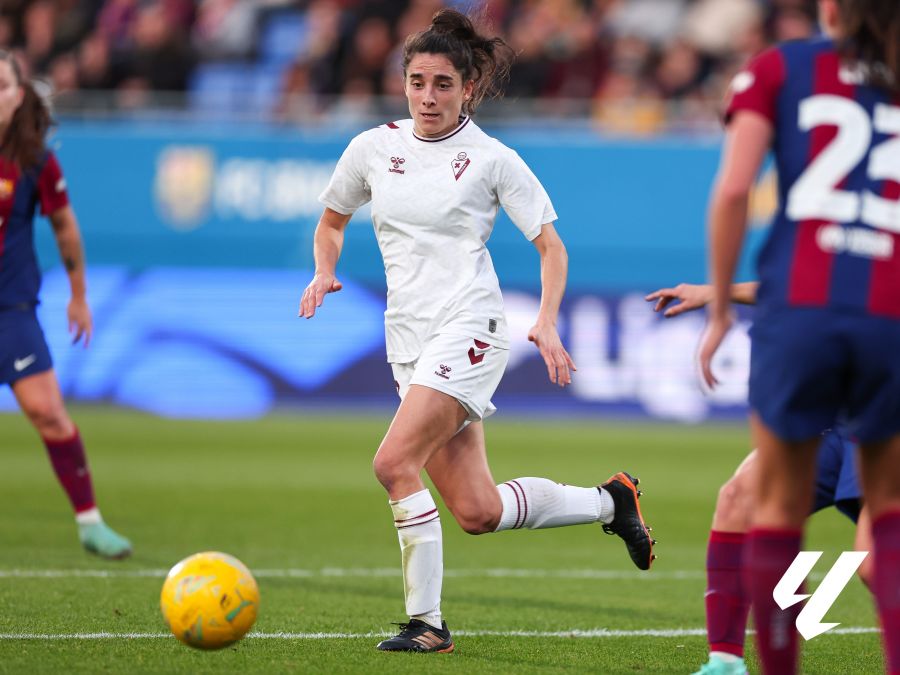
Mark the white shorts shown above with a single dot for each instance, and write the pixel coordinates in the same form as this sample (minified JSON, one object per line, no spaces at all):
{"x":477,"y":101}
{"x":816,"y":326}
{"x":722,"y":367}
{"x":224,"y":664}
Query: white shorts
{"x":466,"y":369}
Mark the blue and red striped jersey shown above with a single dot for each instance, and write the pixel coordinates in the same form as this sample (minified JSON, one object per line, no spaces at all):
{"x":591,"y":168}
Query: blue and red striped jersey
{"x":20,"y":194}
{"x":835,"y":240}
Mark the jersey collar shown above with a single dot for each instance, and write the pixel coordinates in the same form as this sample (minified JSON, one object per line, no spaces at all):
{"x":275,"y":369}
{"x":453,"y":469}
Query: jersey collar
{"x":463,"y":121}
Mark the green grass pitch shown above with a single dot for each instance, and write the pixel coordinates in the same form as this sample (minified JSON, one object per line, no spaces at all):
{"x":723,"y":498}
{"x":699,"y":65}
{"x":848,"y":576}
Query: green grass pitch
{"x":294,"y":497}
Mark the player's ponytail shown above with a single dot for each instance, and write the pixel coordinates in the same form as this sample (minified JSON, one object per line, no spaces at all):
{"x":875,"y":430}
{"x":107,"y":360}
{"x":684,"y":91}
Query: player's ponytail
{"x":23,"y":142}
{"x":485,"y":60}
{"x":871,"y":31}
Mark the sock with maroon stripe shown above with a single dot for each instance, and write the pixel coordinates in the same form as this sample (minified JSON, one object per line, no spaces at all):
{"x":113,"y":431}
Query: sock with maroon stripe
{"x":727,"y":608}
{"x":767,"y":555}
{"x":886,"y":534}
{"x":421,"y":546}
{"x":70,"y":465}
{"x":539,"y":503}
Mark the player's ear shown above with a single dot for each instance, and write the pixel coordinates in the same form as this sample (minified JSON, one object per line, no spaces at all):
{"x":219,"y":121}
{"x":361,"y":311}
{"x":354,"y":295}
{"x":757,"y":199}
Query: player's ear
{"x":468,"y":90}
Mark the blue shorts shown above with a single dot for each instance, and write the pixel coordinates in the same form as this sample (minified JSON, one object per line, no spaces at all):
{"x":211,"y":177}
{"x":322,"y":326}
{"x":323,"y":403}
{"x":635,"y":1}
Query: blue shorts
{"x":23,"y":349}
{"x":836,"y":481}
{"x":810,"y":367}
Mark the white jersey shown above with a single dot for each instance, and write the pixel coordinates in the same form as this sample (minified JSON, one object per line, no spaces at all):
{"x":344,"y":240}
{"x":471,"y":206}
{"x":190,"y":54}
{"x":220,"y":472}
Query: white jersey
{"x":434,"y":202}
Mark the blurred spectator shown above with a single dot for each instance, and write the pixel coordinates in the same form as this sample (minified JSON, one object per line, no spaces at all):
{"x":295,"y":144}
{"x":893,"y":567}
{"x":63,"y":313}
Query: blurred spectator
{"x":225,"y":29}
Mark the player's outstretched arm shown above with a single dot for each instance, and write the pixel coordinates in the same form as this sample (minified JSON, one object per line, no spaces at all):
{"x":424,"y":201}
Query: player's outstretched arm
{"x":327,"y":244}
{"x":554,"y":268}
{"x":68,"y":240}
{"x":697,"y":296}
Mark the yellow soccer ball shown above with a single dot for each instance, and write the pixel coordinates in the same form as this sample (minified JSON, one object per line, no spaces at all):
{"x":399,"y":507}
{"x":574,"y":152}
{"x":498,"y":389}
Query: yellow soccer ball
{"x":209,"y":600}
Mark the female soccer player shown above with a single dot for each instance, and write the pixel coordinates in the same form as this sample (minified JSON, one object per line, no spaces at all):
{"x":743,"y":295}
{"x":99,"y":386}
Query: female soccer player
{"x":837,"y":485}
{"x":825,"y":341}
{"x":436,"y":182}
{"x":30,"y":176}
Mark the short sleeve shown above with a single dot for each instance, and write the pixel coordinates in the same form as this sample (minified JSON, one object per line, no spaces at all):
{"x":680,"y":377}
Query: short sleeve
{"x":52,"y":191}
{"x":348,"y":189}
{"x":757,"y":86}
{"x":522,"y":196}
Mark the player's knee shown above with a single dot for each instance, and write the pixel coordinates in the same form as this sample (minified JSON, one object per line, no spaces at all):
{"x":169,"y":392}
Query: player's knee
{"x":49,"y":419}
{"x":732,"y":500}
{"x":865,"y":573}
{"x":476,"y":521}
{"x":391,"y":469}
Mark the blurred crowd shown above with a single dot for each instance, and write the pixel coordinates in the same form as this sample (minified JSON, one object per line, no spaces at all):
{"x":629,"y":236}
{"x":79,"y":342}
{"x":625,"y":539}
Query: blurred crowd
{"x":633,"y":65}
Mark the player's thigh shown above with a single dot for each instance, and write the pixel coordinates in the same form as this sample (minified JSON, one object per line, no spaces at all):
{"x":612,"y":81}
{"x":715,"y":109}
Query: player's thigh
{"x":460,"y":472}
{"x":40,"y":397}
{"x":424,"y":422}
{"x":880,"y":473}
{"x":785,"y":477}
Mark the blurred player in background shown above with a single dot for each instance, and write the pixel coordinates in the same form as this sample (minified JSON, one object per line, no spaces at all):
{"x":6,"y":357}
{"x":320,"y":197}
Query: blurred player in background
{"x":436,"y":182}
{"x":30,"y":176}
{"x":727,"y":606}
{"x":826,"y":339}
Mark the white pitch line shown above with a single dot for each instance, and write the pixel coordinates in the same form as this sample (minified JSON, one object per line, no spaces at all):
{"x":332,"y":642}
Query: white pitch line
{"x":371,"y":572}
{"x":574,"y":633}
{"x":494,"y":573}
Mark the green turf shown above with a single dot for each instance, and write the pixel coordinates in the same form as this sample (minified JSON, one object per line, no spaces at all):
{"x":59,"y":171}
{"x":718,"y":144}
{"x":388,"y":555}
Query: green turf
{"x":297,"y":492}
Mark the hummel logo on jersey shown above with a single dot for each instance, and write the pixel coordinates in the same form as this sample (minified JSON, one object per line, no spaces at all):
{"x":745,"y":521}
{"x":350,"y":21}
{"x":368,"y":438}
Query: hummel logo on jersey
{"x":397,"y":161}
{"x":444,"y":371}
{"x":22,"y":364}
{"x":460,"y":164}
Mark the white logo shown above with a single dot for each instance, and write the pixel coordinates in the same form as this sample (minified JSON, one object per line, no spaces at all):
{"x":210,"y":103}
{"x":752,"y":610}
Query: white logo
{"x":22,"y":364}
{"x":742,"y":82}
{"x":809,"y":621}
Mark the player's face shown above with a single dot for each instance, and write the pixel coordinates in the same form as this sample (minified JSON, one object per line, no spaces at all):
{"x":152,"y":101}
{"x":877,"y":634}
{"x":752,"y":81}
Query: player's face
{"x":10,"y":94}
{"x":436,"y":92}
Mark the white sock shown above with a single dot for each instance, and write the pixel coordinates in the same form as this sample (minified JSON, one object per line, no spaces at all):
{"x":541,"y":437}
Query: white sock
{"x":538,"y":503}
{"x":726,"y":657}
{"x":88,"y":517}
{"x":421,"y":546}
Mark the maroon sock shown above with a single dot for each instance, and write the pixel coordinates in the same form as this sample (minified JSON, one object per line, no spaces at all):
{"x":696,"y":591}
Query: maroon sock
{"x":886,"y":534}
{"x":70,"y":466}
{"x":767,"y":555}
{"x":727,"y":607}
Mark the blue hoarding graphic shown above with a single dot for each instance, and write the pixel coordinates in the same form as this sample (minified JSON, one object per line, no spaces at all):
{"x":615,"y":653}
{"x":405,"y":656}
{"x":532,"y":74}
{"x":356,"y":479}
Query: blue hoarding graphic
{"x":199,"y":243}
{"x":220,"y":343}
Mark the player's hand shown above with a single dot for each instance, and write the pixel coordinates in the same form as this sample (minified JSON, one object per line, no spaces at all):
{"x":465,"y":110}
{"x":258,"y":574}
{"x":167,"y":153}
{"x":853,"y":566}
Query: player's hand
{"x":321,"y":285}
{"x":717,"y":328}
{"x":80,"y":323}
{"x":689,"y":296}
{"x":559,"y":363}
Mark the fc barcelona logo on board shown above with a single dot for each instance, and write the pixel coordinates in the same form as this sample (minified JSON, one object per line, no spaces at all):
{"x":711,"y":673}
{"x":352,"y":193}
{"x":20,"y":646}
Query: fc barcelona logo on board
{"x":183,"y":185}
{"x":460,"y":164}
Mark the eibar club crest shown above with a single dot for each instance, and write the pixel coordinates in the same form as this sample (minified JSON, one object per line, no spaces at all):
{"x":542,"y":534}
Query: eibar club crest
{"x":459,"y":164}
{"x":396,"y":163}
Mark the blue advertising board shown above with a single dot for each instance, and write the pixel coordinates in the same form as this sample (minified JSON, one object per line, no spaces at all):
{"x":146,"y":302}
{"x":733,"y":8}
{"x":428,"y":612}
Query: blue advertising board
{"x":200,"y":242}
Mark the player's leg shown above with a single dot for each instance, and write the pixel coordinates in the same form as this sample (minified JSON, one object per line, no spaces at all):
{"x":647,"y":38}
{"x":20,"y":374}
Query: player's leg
{"x":424,"y":422}
{"x":862,"y":541}
{"x":40,"y":399}
{"x":727,"y":606}
{"x":783,"y":497}
{"x":461,"y":474}
{"x":880,"y":472}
